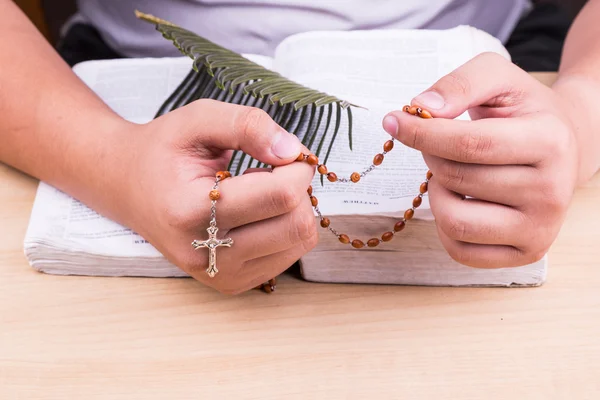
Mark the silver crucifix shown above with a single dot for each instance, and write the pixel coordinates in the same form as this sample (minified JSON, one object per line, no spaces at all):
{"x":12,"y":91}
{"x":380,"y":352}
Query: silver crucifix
{"x":211,"y":244}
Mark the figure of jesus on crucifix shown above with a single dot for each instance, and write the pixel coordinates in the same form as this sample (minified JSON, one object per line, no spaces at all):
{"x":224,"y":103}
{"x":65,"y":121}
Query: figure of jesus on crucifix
{"x":211,"y":244}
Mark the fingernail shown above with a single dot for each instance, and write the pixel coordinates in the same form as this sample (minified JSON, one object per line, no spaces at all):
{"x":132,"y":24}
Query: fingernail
{"x":390,"y":125}
{"x":430,"y":100}
{"x":286,"y":145}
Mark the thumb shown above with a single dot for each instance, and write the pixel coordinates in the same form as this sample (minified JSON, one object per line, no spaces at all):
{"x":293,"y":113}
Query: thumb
{"x":488,"y":79}
{"x":225,"y":126}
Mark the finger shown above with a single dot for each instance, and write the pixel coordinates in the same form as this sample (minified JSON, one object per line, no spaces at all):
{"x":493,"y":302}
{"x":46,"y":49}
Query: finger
{"x":505,"y":184}
{"x":485,"y":256}
{"x":262,"y":195}
{"x":486,"y":141}
{"x":476,"y":221}
{"x":233,"y":127}
{"x":275,"y":234}
{"x":260,"y":270}
{"x":488,"y":79}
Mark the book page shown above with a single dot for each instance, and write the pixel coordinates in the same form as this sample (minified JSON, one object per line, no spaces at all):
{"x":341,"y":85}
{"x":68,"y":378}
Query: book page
{"x":382,"y":71}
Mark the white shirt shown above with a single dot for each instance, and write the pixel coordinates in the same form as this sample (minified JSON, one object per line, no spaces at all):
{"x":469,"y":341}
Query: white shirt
{"x":257,"y":26}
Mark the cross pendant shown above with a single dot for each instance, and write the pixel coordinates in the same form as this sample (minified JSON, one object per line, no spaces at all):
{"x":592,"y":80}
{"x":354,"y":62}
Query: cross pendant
{"x":211,"y":244}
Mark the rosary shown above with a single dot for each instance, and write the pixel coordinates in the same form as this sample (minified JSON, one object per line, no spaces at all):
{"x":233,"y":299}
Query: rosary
{"x":213,"y":243}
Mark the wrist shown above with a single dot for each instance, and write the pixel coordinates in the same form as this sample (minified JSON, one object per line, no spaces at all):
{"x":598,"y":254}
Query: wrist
{"x":580,"y":97}
{"x":102,"y":177}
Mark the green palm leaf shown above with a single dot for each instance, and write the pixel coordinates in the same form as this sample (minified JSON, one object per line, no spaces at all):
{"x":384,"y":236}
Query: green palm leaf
{"x":221,"y":74}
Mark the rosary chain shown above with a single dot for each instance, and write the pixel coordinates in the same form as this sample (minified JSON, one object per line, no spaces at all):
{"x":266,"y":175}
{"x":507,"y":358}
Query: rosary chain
{"x":332,"y":177}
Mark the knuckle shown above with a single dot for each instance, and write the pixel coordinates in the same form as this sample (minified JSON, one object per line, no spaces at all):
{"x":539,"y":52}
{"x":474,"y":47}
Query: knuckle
{"x":455,"y":228}
{"x":311,"y":242}
{"x":304,"y":227}
{"x":192,"y":265}
{"x":457,"y":84}
{"x":286,"y":198}
{"x":251,"y":122}
{"x":472,"y":146}
{"x":414,"y":137}
{"x":181,"y":217}
{"x":462,"y":255}
{"x":554,"y":195}
{"x":450,"y":175}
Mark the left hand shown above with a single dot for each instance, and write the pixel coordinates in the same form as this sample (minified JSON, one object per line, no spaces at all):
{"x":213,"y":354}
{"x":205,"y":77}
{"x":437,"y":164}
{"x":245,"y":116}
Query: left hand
{"x":516,"y":161}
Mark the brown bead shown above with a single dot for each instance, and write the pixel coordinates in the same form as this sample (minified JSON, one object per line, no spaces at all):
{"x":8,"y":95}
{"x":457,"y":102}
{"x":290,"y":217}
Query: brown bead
{"x":355,"y":177}
{"x":300,"y":157}
{"x":314,"y":201}
{"x":325,"y":222}
{"x":388,"y":146}
{"x":312,"y":160}
{"x":227,"y":174}
{"x":408,"y":214}
{"x":344,"y":238}
{"x":373,"y":242}
{"x":406,"y":108}
{"x":425,"y":114}
{"x":309,"y":191}
{"x":357,"y":244}
{"x":331,"y":177}
{"x":386,"y":237}
{"x":417,"y":201}
{"x":412,"y":110}
{"x":220,"y":175}
{"x":429,"y":175}
{"x":399,"y":226}
{"x":322,"y":169}
{"x":423,"y":188}
{"x":378,"y":159}
{"x":214,"y":195}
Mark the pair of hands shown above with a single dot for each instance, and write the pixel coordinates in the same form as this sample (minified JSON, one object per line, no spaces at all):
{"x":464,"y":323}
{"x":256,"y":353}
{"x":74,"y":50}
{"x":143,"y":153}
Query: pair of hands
{"x":501,"y":187}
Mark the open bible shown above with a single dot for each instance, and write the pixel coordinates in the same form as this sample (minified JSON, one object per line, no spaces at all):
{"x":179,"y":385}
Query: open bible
{"x":378,"y":70}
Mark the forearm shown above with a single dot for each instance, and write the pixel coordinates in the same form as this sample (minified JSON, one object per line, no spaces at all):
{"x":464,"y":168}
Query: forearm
{"x":579,"y":84}
{"x":52,"y":126}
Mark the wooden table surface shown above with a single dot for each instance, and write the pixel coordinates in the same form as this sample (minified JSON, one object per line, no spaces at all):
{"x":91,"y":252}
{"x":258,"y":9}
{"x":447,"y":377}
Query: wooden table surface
{"x":130,"y":338}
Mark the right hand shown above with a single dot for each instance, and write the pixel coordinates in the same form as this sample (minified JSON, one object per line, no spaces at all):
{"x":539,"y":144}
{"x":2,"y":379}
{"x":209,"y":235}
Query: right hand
{"x":267,"y":214}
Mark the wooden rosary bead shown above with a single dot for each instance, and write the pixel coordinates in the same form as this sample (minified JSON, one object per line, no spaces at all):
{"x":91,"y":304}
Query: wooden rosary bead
{"x":417,"y":201}
{"x":425,"y":114}
{"x":388,"y":146}
{"x":214,"y":195}
{"x":386,"y":237}
{"x":355,"y":177}
{"x":314,"y":201}
{"x":406,"y":108}
{"x":312,"y":160}
{"x":429,"y":175}
{"x":322,"y":169}
{"x":423,"y":188}
{"x":373,"y":242}
{"x":408,"y":214}
{"x":309,"y":191}
{"x":300,"y":157}
{"x":357,"y":244}
{"x":332,"y":177}
{"x":378,"y":159}
{"x":344,"y":238}
{"x":412,"y":110}
{"x":325,"y":222}
{"x":223,"y":175}
{"x":399,"y":226}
